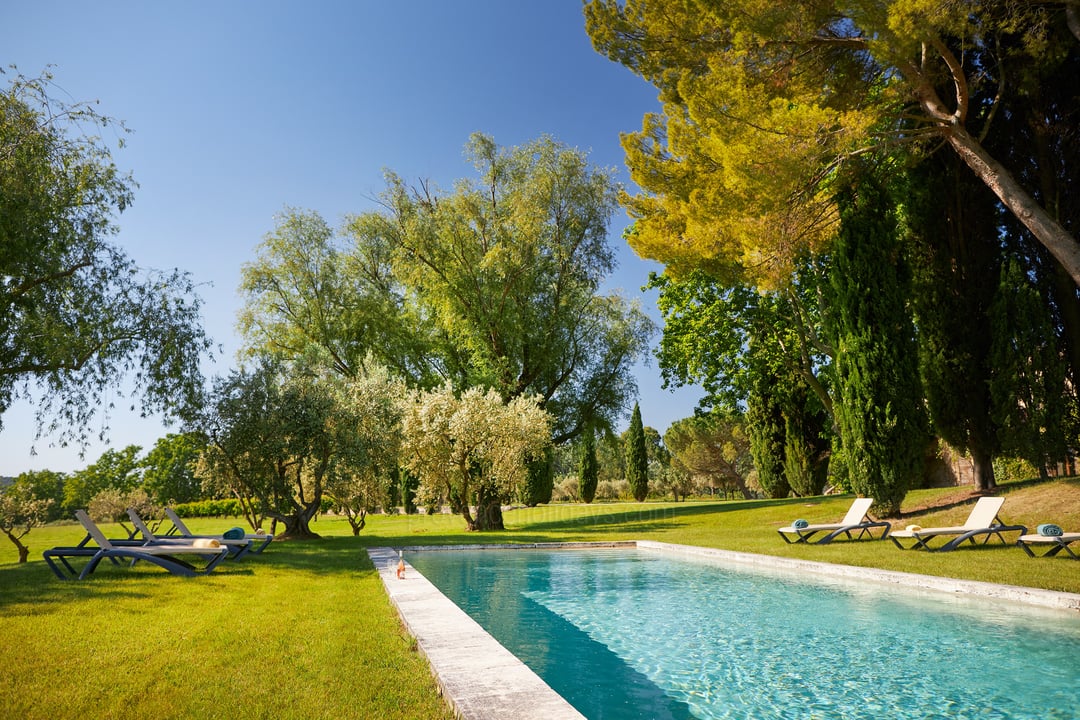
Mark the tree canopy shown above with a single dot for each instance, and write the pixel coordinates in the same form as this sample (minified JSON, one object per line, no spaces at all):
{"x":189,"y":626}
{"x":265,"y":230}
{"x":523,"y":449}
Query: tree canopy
{"x":496,"y":284}
{"x":764,"y":103}
{"x":472,"y":448}
{"x":77,"y":316}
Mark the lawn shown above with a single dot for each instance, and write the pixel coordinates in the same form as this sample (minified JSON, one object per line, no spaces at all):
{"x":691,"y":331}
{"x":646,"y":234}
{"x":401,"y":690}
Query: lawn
{"x":305,"y":630}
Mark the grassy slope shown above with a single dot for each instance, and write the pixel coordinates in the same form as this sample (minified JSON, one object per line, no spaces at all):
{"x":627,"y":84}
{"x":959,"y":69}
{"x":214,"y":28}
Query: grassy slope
{"x":305,"y":631}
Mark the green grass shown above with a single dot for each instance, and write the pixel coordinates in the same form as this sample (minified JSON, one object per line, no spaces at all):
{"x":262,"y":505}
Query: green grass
{"x":305,"y":630}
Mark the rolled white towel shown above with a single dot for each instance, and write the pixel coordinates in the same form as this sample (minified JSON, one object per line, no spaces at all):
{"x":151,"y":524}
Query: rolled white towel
{"x":206,"y":543}
{"x":913,"y":528}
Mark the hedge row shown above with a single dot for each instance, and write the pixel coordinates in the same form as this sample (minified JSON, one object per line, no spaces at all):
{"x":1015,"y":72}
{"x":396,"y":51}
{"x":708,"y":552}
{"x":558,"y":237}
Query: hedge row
{"x":228,"y":507}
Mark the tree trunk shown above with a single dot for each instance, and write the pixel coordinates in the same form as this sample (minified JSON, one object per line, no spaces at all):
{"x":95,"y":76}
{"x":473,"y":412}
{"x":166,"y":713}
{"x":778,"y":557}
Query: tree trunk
{"x":357,"y":521}
{"x":1035,"y":217}
{"x":24,"y":551}
{"x":1069,"y":308}
{"x":488,"y":510}
{"x":297,"y":525}
{"x":983,"y":463}
{"x":740,"y":484}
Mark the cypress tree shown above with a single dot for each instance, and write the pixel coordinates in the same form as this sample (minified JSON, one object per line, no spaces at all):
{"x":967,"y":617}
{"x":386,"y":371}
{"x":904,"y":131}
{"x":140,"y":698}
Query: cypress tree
{"x":765,"y":426}
{"x":589,"y":472}
{"x":879,"y":396}
{"x":957,"y":252}
{"x":541,"y":480}
{"x":1028,"y":382}
{"x":637,"y":457}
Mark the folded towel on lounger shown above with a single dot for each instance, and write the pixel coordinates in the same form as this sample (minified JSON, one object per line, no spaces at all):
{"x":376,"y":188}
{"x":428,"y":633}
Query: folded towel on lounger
{"x":799,"y":524}
{"x":1050,"y":530}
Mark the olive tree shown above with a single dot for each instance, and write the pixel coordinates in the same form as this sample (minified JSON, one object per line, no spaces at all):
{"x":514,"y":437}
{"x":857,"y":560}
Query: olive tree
{"x":472,"y":448}
{"x":368,"y":431}
{"x":21,"y":512}
{"x":270,"y":443}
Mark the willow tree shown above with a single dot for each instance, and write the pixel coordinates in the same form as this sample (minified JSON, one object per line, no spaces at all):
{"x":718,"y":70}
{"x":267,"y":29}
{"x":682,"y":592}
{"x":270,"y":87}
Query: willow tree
{"x":80,"y":322}
{"x":762,"y":101}
{"x":497,"y":283}
{"x":310,"y":296}
{"x":508,"y":267}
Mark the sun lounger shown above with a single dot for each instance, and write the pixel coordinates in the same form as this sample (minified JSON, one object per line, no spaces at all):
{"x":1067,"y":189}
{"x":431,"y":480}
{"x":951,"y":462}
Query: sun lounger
{"x":260,"y":540}
{"x":983,"y":521}
{"x":164,"y":556}
{"x":1052,"y":543}
{"x":237,"y":548}
{"x":856,"y":519}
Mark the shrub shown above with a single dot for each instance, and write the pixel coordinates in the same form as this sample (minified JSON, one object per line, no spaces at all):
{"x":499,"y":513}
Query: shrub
{"x":1008,"y":469}
{"x":566,"y":489}
{"x":612,"y":489}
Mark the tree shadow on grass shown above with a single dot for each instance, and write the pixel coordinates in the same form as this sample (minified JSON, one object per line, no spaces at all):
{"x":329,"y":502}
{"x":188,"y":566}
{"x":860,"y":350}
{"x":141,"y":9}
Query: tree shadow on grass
{"x":29,"y":588}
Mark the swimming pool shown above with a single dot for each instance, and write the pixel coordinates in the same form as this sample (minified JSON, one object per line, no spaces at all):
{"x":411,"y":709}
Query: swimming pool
{"x":633,"y":634}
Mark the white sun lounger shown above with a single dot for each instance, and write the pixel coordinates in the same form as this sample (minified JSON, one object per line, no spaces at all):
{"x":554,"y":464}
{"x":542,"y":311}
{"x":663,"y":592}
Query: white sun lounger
{"x":164,"y":556}
{"x":982,"y":521}
{"x":856,"y":519}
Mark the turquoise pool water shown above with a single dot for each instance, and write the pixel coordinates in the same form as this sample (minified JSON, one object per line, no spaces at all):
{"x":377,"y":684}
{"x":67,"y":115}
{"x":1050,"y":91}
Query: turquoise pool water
{"x":635,"y":634}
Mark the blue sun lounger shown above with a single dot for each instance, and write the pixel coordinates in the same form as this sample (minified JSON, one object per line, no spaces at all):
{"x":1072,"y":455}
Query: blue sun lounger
{"x":237,"y":548}
{"x":164,"y":556}
{"x":260,"y":540}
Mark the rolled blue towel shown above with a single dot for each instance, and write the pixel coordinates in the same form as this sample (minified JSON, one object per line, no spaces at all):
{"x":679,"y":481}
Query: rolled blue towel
{"x":235,"y":533}
{"x":1050,"y":530}
{"x":800,"y":524}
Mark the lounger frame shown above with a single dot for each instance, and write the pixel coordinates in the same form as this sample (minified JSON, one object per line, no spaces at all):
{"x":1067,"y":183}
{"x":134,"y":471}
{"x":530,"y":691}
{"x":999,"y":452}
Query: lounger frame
{"x":1055,"y":544}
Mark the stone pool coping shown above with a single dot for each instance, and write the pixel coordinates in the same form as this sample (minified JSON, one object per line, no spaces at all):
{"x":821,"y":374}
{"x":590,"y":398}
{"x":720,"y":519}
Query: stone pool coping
{"x":482,"y":680}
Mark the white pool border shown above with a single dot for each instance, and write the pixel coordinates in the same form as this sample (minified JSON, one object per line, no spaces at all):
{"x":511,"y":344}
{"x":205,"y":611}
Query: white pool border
{"x":482,"y":680}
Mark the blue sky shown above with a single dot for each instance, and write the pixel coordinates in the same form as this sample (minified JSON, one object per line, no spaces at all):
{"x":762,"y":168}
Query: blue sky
{"x":241,"y":108}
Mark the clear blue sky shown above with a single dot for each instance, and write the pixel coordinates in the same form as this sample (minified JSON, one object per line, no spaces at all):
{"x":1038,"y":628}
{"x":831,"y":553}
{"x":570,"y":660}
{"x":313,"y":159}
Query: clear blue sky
{"x":241,"y":108}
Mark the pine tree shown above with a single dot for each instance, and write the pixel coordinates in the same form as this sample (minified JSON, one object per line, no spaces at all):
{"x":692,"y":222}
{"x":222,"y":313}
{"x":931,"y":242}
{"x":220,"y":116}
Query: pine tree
{"x":589,"y":472}
{"x":637,"y":457}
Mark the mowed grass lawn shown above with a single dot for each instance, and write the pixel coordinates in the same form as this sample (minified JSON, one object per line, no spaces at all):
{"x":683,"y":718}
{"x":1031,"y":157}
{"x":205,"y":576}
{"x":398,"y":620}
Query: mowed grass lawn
{"x":305,"y":630}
